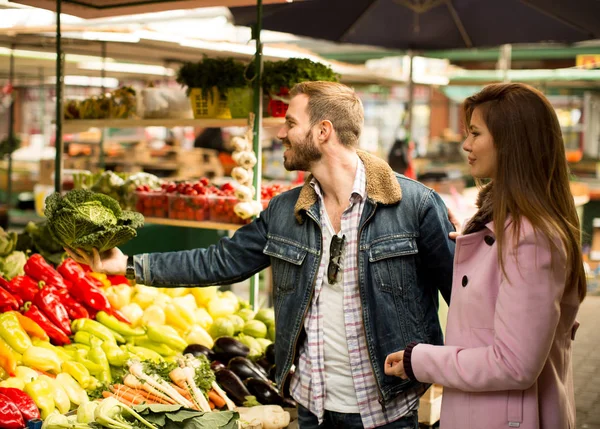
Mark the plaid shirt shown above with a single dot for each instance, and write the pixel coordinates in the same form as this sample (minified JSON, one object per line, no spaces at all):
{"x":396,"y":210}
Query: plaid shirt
{"x":308,"y":382}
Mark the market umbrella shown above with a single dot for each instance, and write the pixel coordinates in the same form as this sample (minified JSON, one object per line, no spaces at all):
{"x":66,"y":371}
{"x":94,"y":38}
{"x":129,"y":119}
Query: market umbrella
{"x":433,"y":24}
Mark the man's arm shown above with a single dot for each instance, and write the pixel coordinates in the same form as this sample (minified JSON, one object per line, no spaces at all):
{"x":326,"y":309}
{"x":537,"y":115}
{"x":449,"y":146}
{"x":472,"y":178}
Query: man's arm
{"x":436,"y":249}
{"x":230,"y":260}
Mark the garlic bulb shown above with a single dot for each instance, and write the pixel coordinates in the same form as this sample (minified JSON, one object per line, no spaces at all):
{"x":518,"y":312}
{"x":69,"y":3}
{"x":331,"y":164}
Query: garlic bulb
{"x":246,"y":159}
{"x":241,"y":174}
{"x":240,"y":144}
{"x":244,"y":193}
{"x":244,"y":210}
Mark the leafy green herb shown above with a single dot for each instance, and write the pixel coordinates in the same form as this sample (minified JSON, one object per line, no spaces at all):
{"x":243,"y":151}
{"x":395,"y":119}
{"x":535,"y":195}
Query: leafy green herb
{"x":204,"y":376}
{"x":162,"y":369}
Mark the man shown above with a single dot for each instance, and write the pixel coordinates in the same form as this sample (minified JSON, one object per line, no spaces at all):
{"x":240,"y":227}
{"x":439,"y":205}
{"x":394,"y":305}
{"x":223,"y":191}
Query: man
{"x":358,"y":255}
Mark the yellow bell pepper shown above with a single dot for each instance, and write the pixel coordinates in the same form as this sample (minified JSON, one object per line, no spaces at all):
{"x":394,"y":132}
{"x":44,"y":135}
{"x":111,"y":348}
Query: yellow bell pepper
{"x":133,"y":312}
{"x":26,"y":374}
{"x":42,"y":359}
{"x":204,"y":294}
{"x":102,"y":277}
{"x":41,"y":393}
{"x":13,"y":382}
{"x":144,"y":296}
{"x":174,"y":292}
{"x":75,"y":392}
{"x":119,"y":296}
{"x":61,"y":399}
{"x":12,"y":332}
{"x":203,"y":318}
{"x":179,"y":316}
{"x":198,"y":335}
{"x":78,"y":372}
{"x":154,"y":315}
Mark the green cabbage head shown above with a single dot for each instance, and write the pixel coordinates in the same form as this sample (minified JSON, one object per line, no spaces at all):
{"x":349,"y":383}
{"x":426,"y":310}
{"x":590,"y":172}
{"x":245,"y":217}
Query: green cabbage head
{"x":82,"y":219}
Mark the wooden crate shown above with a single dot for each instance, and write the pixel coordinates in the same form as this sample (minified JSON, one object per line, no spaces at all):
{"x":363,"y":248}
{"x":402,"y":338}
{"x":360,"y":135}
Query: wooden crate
{"x":430,"y":406}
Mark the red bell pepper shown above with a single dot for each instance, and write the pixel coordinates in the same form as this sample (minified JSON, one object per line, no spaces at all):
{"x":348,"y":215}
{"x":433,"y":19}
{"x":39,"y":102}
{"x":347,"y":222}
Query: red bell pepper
{"x":71,"y":270}
{"x":50,"y":304}
{"x":85,"y":292}
{"x":119,"y":316}
{"x":57,"y":336}
{"x":74,"y":309}
{"x":10,"y":416}
{"x":23,"y":402}
{"x":24,"y":286}
{"x":37,"y":268}
{"x":8,"y":301}
{"x":116,"y":280}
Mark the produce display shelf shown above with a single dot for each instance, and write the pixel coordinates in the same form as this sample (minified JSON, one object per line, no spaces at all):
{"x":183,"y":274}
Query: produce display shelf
{"x":71,"y":126}
{"x":193,"y":224}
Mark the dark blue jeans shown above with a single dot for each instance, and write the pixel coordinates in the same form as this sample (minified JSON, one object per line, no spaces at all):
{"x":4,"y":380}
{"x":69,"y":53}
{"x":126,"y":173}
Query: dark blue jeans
{"x":333,"y":420}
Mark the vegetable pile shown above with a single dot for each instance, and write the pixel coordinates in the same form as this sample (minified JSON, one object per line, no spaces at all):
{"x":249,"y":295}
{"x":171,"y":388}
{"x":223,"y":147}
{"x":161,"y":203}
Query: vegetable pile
{"x":82,"y":219}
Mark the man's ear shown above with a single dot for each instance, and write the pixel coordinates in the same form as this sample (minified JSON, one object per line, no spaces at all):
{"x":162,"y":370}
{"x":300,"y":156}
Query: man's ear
{"x":326,"y":131}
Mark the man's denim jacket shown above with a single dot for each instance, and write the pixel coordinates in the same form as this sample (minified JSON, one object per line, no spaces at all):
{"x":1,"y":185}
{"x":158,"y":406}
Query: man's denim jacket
{"x":404,"y":258}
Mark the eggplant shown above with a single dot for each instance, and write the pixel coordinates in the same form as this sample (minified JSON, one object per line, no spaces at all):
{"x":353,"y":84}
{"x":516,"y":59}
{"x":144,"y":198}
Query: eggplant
{"x":226,"y":348}
{"x":264,"y":391}
{"x":264,"y":364}
{"x":272,"y":373}
{"x":199,"y":349}
{"x":270,"y":353}
{"x":245,"y":368}
{"x":216,"y":365}
{"x":232,"y":385}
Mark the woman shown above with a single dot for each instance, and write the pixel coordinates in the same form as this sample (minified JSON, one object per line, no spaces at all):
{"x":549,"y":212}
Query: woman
{"x":518,"y":276}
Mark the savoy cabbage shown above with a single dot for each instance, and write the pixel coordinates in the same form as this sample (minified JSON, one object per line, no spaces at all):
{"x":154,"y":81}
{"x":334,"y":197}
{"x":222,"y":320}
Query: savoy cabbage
{"x":82,"y":219}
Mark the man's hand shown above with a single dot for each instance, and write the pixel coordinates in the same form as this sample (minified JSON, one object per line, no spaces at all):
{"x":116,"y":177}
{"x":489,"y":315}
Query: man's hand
{"x":454,"y":221}
{"x":394,"y":365}
{"x":112,"y":262}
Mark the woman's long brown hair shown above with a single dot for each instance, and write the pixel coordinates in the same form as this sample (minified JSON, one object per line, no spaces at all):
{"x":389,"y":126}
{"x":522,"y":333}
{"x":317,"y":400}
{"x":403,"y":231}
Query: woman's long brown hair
{"x":532,"y":175}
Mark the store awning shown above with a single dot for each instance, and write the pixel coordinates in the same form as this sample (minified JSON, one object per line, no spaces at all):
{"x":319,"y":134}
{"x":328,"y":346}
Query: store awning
{"x":105,"y":8}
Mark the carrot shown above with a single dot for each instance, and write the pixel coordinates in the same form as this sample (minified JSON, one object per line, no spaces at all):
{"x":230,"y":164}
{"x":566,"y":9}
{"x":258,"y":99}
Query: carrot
{"x":127,"y":395}
{"x":124,"y":401}
{"x":216,"y":399}
{"x":137,"y":394}
{"x":211,"y":404}
{"x":183,"y":392}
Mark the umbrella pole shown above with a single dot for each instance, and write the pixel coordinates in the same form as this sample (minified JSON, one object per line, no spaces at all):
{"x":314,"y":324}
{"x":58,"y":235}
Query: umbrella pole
{"x":411,"y":96}
{"x":58,"y":141}
{"x":101,"y":160}
{"x":258,"y":111}
{"x":11,"y":128}
{"x":504,"y":62}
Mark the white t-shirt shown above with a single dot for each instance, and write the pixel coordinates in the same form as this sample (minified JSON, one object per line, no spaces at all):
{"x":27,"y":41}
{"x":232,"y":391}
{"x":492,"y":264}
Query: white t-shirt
{"x":340,"y":395}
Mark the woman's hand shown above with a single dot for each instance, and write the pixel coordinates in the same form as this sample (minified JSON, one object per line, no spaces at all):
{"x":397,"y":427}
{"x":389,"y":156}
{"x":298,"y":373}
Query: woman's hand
{"x":394,"y":365}
{"x":112,"y":262}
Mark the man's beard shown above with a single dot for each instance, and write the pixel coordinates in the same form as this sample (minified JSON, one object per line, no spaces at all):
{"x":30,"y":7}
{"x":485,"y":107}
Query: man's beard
{"x":303,"y":154}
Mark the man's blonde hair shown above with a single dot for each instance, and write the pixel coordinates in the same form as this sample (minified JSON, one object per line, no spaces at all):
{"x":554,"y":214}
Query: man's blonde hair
{"x":336,"y":103}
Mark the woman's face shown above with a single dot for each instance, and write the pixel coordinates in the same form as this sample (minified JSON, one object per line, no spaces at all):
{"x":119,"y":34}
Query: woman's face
{"x":480,"y":146}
